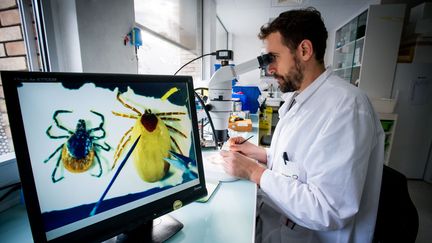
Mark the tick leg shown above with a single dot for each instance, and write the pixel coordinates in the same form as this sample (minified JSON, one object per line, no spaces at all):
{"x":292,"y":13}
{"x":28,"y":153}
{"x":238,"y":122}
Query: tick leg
{"x":54,"y":180}
{"x":100,"y":127}
{"x":60,"y":147}
{"x":170,"y":119}
{"x":56,"y":113}
{"x":121,"y":146}
{"x":175,"y":130}
{"x":176,"y":144}
{"x":170,"y":113}
{"x":100,"y":166}
{"x":127,"y":105}
{"x":125,"y":115}
{"x":48,"y":132}
{"x":106,"y":148}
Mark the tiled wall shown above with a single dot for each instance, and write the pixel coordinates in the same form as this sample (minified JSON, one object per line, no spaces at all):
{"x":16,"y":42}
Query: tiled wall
{"x":12,"y":57}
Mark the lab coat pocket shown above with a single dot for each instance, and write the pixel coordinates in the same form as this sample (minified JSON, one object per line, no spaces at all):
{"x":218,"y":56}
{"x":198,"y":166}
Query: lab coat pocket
{"x":290,"y":169}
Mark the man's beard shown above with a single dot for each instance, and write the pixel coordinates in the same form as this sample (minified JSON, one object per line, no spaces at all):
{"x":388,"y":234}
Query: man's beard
{"x":291,"y":82}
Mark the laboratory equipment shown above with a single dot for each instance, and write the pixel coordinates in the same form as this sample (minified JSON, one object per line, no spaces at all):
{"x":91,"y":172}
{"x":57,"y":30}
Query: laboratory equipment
{"x":220,"y":91}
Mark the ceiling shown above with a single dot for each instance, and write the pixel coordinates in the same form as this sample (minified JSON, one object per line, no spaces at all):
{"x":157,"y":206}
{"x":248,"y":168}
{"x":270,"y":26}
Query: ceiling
{"x":245,"y":17}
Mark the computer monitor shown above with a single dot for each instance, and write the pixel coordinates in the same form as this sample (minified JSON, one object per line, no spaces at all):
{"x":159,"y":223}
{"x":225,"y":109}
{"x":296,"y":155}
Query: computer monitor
{"x":103,"y":154}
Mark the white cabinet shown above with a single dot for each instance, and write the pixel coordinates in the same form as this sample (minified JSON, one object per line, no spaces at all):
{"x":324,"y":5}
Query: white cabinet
{"x":348,"y":49}
{"x":366,"y":49}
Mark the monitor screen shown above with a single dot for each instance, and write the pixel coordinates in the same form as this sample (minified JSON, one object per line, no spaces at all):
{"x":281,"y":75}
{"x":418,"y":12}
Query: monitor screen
{"x":100,"y":153}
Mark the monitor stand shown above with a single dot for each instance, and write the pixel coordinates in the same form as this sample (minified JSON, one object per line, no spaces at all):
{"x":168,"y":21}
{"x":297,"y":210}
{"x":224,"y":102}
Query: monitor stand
{"x":157,"y":230}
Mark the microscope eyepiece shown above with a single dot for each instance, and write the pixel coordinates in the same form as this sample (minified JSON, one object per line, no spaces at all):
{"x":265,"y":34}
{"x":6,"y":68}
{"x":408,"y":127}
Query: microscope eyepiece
{"x":265,"y":60}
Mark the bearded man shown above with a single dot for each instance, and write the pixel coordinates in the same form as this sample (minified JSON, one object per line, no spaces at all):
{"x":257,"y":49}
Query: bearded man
{"x":320,"y":179}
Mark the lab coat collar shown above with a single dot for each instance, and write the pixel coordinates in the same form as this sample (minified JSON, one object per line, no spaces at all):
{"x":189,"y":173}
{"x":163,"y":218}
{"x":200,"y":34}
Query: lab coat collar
{"x":308,"y":92}
{"x":287,"y":97}
{"x":305,"y":94}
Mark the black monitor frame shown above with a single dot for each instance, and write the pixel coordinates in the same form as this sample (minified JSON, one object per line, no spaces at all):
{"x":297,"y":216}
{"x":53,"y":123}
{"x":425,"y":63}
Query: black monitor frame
{"x":118,"y":224}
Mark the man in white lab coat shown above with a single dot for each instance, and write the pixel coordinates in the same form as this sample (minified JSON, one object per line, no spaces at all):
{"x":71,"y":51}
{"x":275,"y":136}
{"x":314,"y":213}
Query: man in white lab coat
{"x":320,"y":179}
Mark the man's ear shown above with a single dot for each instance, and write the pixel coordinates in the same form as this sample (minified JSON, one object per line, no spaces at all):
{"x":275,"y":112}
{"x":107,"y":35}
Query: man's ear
{"x":305,"y":50}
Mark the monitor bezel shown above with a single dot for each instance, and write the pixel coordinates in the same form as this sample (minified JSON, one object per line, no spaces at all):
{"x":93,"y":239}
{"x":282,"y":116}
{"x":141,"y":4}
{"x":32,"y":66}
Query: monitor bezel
{"x":118,"y":224}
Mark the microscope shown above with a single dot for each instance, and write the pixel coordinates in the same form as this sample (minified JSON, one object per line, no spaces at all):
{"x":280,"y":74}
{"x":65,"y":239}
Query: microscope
{"x":220,"y":89}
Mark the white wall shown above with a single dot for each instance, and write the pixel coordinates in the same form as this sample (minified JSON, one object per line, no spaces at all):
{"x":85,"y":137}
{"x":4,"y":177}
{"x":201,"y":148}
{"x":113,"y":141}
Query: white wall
{"x":102,"y":25}
{"x":209,"y":37}
{"x":88,"y":36}
{"x":246,"y":48}
{"x":67,"y":45}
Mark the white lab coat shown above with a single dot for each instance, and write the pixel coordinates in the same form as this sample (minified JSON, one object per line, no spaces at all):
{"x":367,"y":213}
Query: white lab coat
{"x":330,"y":184}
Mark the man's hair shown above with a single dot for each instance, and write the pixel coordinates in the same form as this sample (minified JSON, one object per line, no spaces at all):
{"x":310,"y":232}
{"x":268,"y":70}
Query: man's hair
{"x":297,"y":25}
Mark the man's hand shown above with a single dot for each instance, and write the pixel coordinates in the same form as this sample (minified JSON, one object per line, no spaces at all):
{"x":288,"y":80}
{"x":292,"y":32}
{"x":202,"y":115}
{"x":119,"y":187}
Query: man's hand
{"x":238,"y":144}
{"x":239,"y":165}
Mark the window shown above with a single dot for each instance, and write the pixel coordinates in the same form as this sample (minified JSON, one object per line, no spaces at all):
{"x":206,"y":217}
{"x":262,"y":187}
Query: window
{"x":171,"y":37}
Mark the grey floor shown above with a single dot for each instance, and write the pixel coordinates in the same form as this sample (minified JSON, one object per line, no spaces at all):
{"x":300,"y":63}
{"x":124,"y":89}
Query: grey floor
{"x":421,"y":195}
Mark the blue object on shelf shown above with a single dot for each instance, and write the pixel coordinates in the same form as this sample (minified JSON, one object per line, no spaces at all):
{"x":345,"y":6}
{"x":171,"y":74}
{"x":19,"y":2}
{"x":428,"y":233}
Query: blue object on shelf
{"x":251,"y":101}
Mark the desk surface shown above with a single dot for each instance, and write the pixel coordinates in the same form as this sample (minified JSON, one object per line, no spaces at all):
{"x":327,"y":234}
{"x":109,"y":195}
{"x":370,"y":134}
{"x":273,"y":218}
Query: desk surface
{"x":228,"y":216}
{"x":14,"y":225}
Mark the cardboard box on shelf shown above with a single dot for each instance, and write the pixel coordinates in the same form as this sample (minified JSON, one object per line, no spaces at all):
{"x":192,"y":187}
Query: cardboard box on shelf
{"x":383,"y":105}
{"x":241,"y":126}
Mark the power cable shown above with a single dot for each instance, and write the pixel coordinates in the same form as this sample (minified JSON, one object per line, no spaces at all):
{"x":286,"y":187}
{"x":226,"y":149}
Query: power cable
{"x":199,"y":97}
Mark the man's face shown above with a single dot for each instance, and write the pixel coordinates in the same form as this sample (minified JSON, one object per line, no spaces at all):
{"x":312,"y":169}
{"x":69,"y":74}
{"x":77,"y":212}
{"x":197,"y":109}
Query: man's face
{"x":286,"y":66}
